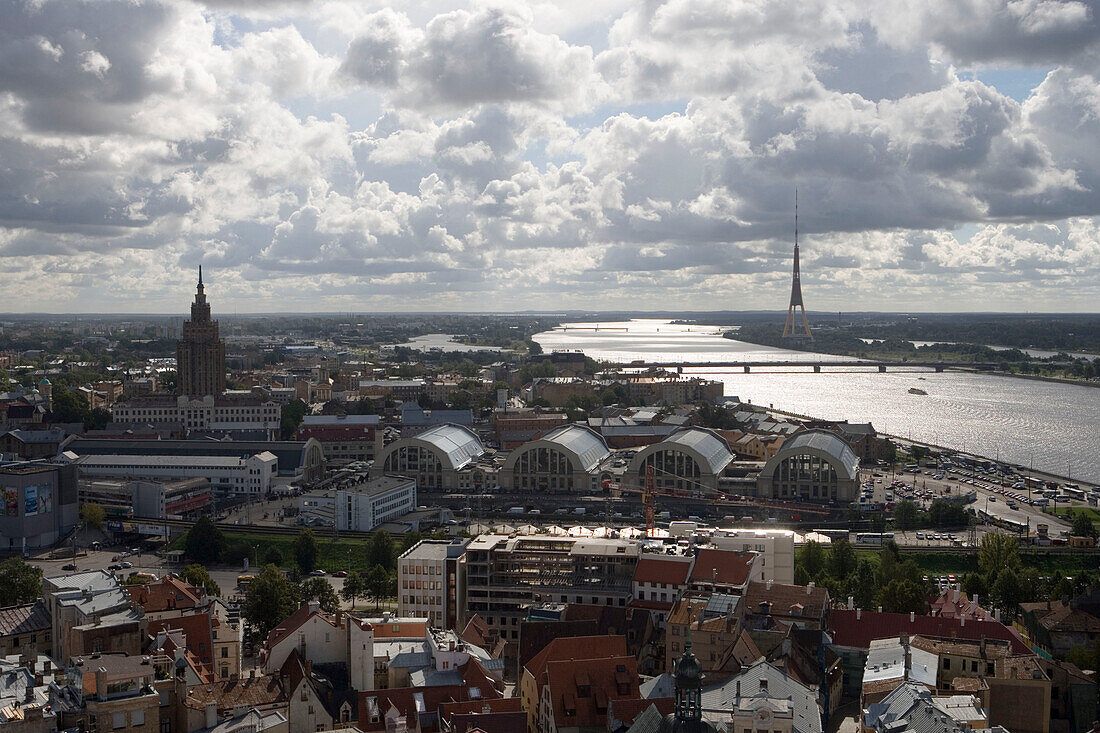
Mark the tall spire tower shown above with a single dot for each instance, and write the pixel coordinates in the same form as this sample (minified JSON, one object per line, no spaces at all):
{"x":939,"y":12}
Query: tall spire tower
{"x":200,"y":354}
{"x":790,"y":328}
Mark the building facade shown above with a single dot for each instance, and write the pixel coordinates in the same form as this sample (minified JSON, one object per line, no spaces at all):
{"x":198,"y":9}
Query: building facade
{"x":38,"y":504}
{"x":441,"y":458}
{"x":200,"y":354}
{"x":230,"y":474}
{"x":812,"y":466}
{"x":249,"y":414}
{"x":427,"y":581}
{"x":564,"y":460}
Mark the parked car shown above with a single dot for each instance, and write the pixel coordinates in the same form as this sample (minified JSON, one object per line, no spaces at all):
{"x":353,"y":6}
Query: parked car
{"x":340,"y":574}
{"x":317,"y":573}
{"x":70,"y":566}
{"x":126,"y":565}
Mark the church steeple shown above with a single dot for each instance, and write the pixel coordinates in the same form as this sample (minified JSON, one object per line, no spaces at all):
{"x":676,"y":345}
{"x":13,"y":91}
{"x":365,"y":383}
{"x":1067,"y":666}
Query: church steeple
{"x":688,"y":678}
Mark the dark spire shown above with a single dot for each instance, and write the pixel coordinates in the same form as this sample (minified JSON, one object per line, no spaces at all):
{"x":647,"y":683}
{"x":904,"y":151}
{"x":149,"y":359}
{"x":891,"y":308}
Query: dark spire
{"x":200,"y":266}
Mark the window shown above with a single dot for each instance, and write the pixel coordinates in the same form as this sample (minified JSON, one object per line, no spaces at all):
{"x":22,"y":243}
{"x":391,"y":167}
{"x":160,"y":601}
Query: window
{"x":989,"y":667}
{"x":946,"y":663}
{"x":165,"y":725}
{"x":225,"y":652}
{"x":137,"y":718}
{"x":118,"y":720}
{"x":973,"y":665}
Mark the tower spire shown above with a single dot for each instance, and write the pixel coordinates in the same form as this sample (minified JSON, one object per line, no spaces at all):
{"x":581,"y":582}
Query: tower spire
{"x":200,"y":267}
{"x":790,"y":327}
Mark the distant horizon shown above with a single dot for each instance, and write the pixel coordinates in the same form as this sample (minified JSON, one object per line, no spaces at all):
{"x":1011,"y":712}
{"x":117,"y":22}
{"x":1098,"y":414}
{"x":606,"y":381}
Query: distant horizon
{"x":552,"y":314}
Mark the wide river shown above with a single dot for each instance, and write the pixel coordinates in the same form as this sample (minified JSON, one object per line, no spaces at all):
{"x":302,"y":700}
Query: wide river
{"x":1054,"y":427}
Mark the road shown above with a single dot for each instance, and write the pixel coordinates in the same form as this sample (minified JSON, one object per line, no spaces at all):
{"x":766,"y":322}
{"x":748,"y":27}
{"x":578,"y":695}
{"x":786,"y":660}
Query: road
{"x":988,"y":500}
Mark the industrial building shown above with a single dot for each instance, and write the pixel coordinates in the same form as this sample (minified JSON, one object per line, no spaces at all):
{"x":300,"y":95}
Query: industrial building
{"x":691,"y":459}
{"x":38,"y":504}
{"x":299,"y":459}
{"x":564,"y":460}
{"x":427,"y":581}
{"x":440,"y":458}
{"x":232,"y":475}
{"x":813,"y":465}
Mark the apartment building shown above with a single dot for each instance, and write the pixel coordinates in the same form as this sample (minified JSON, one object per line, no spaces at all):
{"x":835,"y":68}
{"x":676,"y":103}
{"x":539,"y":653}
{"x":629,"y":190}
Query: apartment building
{"x":503,"y":575}
{"x":427,"y":581}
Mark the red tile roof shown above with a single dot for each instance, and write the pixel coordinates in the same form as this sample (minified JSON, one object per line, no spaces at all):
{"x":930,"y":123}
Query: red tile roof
{"x":476,"y":685}
{"x":246,"y":692}
{"x":847,"y":630}
{"x":581,"y":693}
{"x":625,"y":711}
{"x":167,"y":594}
{"x":723,"y":566}
{"x":783,"y":598}
{"x":575,"y":647}
{"x":25,"y":619}
{"x":668,"y":570}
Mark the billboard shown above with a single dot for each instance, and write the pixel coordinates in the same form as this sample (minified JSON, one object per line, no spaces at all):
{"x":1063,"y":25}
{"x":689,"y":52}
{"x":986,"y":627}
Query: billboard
{"x":11,"y":501}
{"x":30,"y":501}
{"x":45,"y":499}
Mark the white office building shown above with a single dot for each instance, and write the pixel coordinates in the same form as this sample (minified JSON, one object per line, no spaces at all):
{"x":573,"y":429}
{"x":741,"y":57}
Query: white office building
{"x":776,"y":547}
{"x":364,"y":506}
{"x":230,"y":474}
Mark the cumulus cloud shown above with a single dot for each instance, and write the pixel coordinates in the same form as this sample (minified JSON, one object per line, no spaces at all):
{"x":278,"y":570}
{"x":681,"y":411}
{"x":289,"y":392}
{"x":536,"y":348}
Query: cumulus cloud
{"x":471,"y":157}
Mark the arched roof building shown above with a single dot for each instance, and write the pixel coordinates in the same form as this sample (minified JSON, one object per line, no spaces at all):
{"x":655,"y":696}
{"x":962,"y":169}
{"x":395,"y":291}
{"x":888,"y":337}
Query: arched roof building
{"x":435,"y":457}
{"x":690,"y":459}
{"x":814,"y":465}
{"x":565,"y":459}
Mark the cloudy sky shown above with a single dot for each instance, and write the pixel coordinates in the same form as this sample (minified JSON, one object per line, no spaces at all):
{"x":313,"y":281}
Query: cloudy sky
{"x":437,"y":156}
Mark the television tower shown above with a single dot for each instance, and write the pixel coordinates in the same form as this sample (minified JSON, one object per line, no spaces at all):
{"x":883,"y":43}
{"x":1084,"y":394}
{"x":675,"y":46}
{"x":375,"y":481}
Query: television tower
{"x":790,"y":328}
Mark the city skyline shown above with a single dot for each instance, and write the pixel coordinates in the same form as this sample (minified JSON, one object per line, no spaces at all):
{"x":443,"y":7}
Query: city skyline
{"x":508,"y":157}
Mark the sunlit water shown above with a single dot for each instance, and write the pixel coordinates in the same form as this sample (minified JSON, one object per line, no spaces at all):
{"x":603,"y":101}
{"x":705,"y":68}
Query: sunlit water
{"x":1055,"y":427}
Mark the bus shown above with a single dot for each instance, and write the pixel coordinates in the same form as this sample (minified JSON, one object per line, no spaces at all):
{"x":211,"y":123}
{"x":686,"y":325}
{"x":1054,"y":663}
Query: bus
{"x":1074,"y":491}
{"x":243,"y":581}
{"x":874,"y":538}
{"x":833,"y":534}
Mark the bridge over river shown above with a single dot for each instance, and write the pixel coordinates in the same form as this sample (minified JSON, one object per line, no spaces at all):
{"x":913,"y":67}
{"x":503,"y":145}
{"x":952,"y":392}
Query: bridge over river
{"x":815,"y":365}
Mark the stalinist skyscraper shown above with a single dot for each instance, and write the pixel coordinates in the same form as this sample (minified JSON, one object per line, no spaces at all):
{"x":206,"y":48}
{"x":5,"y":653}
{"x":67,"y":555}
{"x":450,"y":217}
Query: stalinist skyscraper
{"x":200,"y":354}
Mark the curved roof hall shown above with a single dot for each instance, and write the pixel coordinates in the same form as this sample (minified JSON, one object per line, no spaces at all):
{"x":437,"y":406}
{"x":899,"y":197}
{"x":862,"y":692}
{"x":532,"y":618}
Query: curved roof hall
{"x":456,"y":444}
{"x":822,"y":443}
{"x":583,"y":443}
{"x":709,"y":449}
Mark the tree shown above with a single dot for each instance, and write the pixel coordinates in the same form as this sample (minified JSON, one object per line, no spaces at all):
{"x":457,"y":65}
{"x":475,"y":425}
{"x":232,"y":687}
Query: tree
{"x":269,"y":600}
{"x":205,"y":543}
{"x":861,"y":585}
{"x":354,"y":587}
{"x":290,"y":418}
{"x":377,"y":584}
{"x":888,"y":451}
{"x":93,"y":515}
{"x":842,"y":559}
{"x":69,"y":405}
{"x":320,"y":590}
{"x":305,"y":550}
{"x":998,"y":552}
{"x":197,"y":575}
{"x":1083,"y":526}
{"x":1007,"y":592}
{"x":20,"y":582}
{"x":973,"y":584}
{"x":905,"y":514}
{"x":902,"y":596}
{"x":812,"y":560}
{"x":381,"y":550}
{"x":273,"y":555}
{"x":238,"y":552}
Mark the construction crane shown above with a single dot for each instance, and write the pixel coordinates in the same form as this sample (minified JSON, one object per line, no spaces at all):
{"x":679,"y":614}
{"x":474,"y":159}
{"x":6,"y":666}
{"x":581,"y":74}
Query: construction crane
{"x":649,"y":500}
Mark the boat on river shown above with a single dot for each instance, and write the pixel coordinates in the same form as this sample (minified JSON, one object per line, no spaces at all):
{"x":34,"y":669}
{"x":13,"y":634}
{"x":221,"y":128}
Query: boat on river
{"x":916,"y":390}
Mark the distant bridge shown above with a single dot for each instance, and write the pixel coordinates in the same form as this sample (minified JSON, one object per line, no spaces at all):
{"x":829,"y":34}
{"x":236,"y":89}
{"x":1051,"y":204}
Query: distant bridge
{"x":815,"y":365}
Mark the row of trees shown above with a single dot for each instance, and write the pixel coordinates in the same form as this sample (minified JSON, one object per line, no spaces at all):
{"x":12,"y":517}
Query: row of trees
{"x":206,"y":544}
{"x":898,"y":585}
{"x":273,"y":596}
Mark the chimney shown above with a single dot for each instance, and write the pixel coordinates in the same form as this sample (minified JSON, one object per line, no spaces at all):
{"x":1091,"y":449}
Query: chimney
{"x":809,"y":588}
{"x":768,"y":584}
{"x":957,"y":594}
{"x":976,"y":603}
{"x":962,"y":620}
{"x":880,"y":609}
{"x":912,"y":616}
{"x":101,"y":683}
{"x":314,"y":606}
{"x":851,"y":602}
{"x":211,"y":714}
{"x":997,"y":615}
{"x":859,"y":612}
